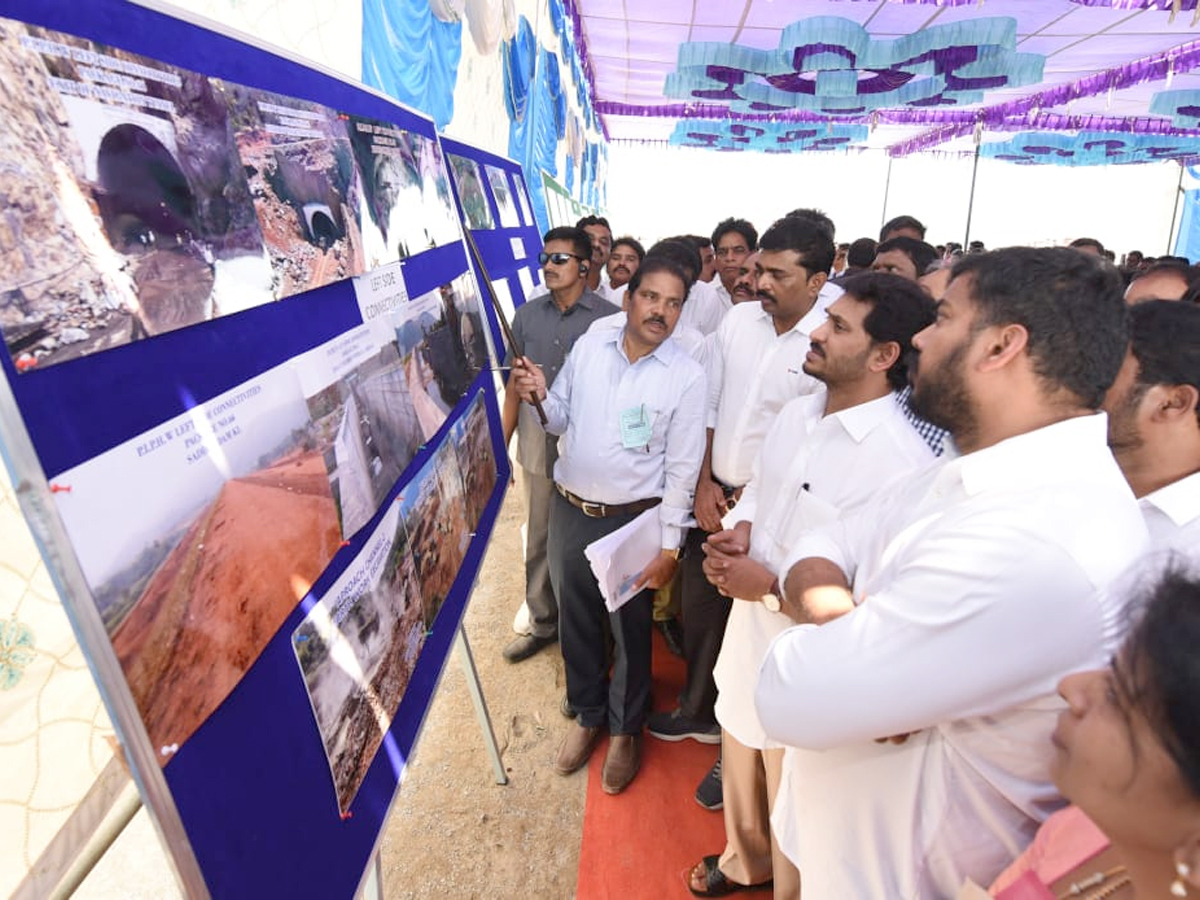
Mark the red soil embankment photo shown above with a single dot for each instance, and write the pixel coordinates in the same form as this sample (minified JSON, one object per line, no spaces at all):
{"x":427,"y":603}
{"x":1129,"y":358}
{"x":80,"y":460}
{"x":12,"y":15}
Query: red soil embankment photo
{"x":223,"y":592}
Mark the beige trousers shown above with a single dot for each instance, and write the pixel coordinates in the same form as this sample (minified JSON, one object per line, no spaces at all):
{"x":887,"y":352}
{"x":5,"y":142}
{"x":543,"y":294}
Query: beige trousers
{"x":749,"y":783}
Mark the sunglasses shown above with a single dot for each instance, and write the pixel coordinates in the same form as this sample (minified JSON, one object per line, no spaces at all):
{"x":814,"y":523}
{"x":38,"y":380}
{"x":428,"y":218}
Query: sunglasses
{"x":559,"y":259}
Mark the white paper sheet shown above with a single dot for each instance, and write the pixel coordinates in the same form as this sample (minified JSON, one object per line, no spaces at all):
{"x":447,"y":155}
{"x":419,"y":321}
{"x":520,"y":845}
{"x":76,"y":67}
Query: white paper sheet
{"x":618,"y":558}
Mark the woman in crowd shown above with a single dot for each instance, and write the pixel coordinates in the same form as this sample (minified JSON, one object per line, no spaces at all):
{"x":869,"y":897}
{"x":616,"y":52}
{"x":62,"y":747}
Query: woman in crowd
{"x":1127,"y":756}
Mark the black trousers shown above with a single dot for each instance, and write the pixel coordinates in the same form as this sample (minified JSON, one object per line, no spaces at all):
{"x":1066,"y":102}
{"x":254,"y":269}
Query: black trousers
{"x":704,"y":613}
{"x":619,"y":700}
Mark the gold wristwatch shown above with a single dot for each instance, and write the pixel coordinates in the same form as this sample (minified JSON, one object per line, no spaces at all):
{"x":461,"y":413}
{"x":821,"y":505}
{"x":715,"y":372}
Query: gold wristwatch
{"x":771,"y":598}
{"x":674,"y":554}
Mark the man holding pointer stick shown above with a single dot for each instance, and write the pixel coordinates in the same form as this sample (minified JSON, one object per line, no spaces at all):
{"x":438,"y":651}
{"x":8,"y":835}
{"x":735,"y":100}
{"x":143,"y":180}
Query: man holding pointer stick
{"x":630,"y":406}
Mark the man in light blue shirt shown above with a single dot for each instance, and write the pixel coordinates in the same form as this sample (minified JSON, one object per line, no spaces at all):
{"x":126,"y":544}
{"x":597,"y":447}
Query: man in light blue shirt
{"x":629,"y":405}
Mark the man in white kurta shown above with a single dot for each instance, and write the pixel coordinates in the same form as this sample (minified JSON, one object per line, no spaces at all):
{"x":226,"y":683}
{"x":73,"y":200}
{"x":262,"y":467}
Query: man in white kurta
{"x":1154,"y":423}
{"x":976,"y":587}
{"x":824,"y":454}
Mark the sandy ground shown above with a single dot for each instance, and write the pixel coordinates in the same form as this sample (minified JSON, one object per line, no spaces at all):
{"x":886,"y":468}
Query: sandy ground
{"x":453,"y":831}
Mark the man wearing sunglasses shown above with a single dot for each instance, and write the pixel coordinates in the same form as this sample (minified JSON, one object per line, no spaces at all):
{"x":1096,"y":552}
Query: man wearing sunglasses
{"x":546,"y":328}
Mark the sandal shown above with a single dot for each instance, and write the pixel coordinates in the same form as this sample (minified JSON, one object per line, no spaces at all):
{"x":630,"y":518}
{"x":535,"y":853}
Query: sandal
{"x":715,"y":882}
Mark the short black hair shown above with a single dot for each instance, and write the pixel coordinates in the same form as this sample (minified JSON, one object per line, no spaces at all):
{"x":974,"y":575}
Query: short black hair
{"x":577,"y":236}
{"x":1071,"y":304}
{"x":1080,"y":243}
{"x":808,"y":238}
{"x":901,"y":222}
{"x":684,"y":253}
{"x":741,"y":226}
{"x":861,"y":253}
{"x":1188,"y":273}
{"x":899,"y":309}
{"x":699,"y":240}
{"x":1165,"y":341}
{"x":661,"y":263}
{"x":921,"y":253}
{"x":817,"y":217}
{"x":632,"y":243}
{"x":593,"y":220}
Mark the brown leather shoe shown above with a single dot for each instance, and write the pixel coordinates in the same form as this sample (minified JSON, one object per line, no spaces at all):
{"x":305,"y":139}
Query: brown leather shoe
{"x":576,"y":748}
{"x":621,"y":763}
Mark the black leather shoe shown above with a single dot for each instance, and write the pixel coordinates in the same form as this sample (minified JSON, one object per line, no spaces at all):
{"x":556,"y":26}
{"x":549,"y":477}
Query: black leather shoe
{"x":526,"y":646}
{"x":566,"y":708}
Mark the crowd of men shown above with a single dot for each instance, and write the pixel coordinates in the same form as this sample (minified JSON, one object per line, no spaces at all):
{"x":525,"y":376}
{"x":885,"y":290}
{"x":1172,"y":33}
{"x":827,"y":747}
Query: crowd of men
{"x":898,"y":487}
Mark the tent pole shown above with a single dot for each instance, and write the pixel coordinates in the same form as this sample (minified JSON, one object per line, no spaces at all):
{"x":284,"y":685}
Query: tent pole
{"x":1175,"y":211}
{"x":887,"y":186}
{"x":971,"y":201}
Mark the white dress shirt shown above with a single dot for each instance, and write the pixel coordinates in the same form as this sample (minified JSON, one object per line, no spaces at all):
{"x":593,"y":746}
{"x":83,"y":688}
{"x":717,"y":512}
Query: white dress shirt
{"x":596,"y":385}
{"x":812,"y":468}
{"x":723,"y":295}
{"x":979,"y":583}
{"x":689,"y":339}
{"x":1172,"y":516}
{"x":611,"y":294}
{"x":703,"y":309}
{"x":752,"y":373}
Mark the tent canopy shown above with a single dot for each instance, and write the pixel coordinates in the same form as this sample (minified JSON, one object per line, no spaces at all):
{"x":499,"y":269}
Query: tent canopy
{"x":1063,"y":81}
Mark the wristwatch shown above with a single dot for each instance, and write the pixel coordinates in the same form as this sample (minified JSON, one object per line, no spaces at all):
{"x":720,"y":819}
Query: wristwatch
{"x":673,"y":553}
{"x":771,"y":598}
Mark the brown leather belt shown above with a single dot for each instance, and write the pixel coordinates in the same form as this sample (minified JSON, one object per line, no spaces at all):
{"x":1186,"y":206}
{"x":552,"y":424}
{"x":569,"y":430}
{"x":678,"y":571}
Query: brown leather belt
{"x":604,"y":510}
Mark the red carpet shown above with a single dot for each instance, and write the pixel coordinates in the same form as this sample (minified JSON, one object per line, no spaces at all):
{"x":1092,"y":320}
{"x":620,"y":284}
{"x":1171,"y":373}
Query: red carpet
{"x":642,"y":842}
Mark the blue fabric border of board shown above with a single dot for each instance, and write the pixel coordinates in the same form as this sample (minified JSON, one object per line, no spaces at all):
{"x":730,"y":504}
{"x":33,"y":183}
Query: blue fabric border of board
{"x":252,"y":785}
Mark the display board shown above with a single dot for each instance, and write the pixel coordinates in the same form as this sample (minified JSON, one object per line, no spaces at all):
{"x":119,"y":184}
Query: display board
{"x":493,"y":200}
{"x":246,"y":370}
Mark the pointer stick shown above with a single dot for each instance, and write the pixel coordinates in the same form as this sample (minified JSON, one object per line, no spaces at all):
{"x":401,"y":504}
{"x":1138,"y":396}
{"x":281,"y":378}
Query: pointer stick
{"x":509,"y":337}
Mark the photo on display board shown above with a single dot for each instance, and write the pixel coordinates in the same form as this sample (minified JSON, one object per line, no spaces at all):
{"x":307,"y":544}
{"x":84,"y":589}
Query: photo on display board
{"x":498,"y":179}
{"x":128,"y":210}
{"x":364,"y":419}
{"x":471,"y":436}
{"x":300,"y":166}
{"x":435,"y":519}
{"x":225,"y":521}
{"x":471,"y":193}
{"x":523,"y":199}
{"x":440,"y":340}
{"x":439,"y":219}
{"x":391,"y":213}
{"x":357,"y":649}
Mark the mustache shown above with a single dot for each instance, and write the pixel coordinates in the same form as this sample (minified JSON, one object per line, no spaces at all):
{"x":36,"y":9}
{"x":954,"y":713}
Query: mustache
{"x":651,"y":319}
{"x":762,"y":295}
{"x":817,"y":348}
{"x":621,"y":269}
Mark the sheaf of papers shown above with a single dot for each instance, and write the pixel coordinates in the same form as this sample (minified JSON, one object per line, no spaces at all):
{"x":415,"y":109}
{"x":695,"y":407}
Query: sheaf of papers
{"x":618,"y":558}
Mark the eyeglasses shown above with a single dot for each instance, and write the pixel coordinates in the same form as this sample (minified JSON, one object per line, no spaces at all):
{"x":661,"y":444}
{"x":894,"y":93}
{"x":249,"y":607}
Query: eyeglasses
{"x":559,"y":259}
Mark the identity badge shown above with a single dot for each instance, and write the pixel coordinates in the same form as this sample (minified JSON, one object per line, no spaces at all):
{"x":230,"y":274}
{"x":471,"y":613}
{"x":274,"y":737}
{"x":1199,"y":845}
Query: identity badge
{"x":636,"y":427}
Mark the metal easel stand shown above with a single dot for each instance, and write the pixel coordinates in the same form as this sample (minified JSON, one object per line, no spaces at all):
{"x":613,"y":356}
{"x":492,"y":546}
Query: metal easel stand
{"x":467,"y":661}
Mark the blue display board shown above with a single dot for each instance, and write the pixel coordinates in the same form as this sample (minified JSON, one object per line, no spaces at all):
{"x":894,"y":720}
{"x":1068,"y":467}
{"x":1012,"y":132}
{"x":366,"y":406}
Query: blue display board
{"x":498,"y":211}
{"x":261,"y":399}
